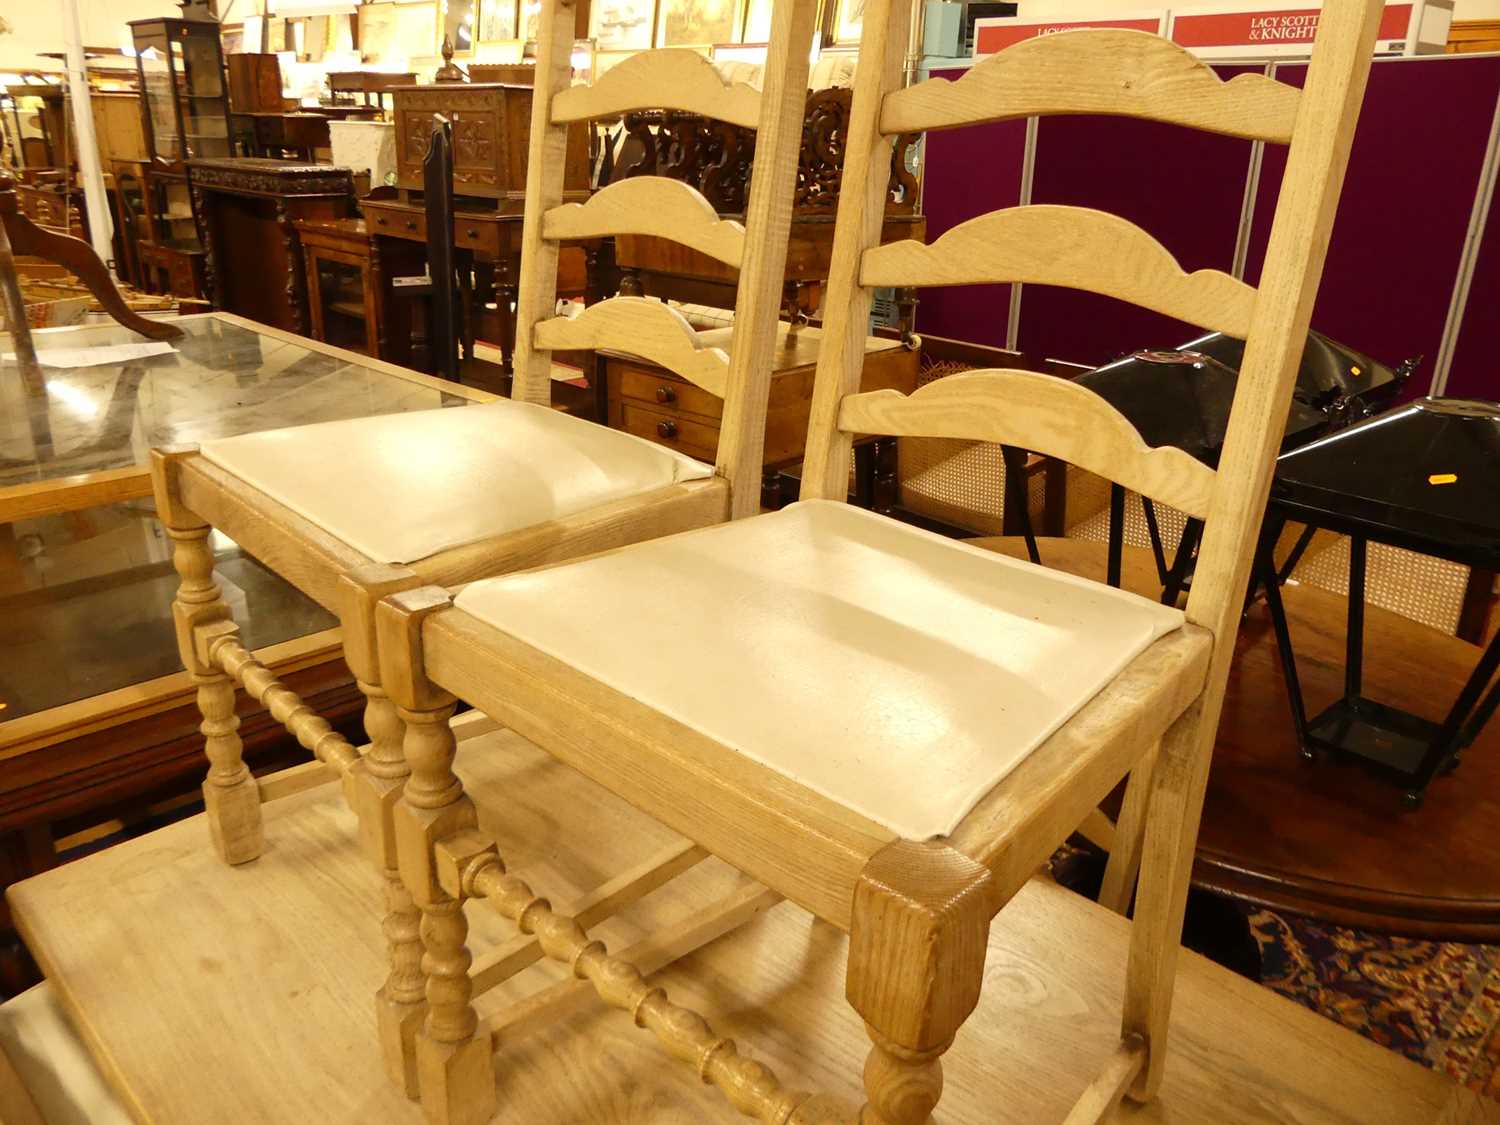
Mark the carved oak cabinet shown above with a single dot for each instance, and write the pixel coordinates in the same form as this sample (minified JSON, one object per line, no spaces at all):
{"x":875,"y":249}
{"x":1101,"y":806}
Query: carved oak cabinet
{"x":247,"y":208}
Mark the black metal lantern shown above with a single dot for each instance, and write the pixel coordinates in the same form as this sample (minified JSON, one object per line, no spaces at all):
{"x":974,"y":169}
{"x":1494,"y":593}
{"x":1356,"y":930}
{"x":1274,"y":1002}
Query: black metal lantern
{"x":1181,"y":398}
{"x":1425,"y":477}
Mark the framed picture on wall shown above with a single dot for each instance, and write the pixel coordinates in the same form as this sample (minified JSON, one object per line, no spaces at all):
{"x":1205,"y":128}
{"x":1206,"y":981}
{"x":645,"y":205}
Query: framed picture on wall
{"x":497,"y":21}
{"x":531,"y":19}
{"x":682,"y":23}
{"x":758,"y":21}
{"x":398,"y":32}
{"x":377,"y":30}
{"x":458,"y":25}
{"x":621,"y":25}
{"x":413,"y":31}
{"x":849,"y":21}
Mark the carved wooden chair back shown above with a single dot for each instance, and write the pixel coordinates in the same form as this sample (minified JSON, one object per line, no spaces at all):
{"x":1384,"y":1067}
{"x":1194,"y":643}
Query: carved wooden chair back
{"x":1124,"y":73}
{"x":26,"y":239}
{"x":437,"y":193}
{"x":667,"y":208}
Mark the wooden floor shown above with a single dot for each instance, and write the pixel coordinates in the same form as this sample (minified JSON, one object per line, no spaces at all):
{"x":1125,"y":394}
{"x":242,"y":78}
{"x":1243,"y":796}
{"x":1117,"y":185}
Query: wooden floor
{"x":244,"y":995}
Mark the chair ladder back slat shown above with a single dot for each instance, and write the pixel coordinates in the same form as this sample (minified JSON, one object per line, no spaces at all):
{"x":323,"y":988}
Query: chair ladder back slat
{"x":768,"y":228}
{"x":860,"y":216}
{"x":546,"y":158}
{"x":642,"y":327}
{"x":1042,"y":413}
{"x":1104,"y":70}
{"x":673,"y":78}
{"x":658,"y":206}
{"x":1075,"y":247}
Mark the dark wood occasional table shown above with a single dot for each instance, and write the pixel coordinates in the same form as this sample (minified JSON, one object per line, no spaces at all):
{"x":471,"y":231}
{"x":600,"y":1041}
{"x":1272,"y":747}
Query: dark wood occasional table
{"x":1330,"y":842}
{"x":97,"y":720}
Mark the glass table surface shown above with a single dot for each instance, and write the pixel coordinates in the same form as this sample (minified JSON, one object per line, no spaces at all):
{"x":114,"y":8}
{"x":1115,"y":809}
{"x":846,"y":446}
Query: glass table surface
{"x":85,"y":595}
{"x":222,"y":378}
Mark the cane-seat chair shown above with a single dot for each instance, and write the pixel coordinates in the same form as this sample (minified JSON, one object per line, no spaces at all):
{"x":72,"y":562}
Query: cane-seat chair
{"x":892,"y":729}
{"x":350,"y":511}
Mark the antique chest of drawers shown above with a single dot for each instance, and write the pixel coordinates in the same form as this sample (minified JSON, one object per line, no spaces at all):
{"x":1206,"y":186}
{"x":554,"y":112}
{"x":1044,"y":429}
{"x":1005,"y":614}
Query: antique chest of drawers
{"x":652,"y":403}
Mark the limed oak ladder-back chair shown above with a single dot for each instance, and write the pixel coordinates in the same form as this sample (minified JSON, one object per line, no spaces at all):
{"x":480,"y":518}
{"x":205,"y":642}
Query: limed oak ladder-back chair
{"x":890,"y":728}
{"x":351,"y":511}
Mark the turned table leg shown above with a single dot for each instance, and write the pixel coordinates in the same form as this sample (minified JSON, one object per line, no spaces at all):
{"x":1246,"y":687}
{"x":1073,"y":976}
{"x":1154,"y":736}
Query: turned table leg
{"x":230,"y":794}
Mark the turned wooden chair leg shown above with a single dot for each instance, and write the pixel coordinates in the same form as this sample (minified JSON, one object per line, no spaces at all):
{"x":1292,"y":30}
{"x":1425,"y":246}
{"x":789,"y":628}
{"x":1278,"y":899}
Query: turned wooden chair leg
{"x":374,"y":787}
{"x":231,"y":796}
{"x":455,"y":1068}
{"x":401,"y":1002}
{"x":1174,"y":807}
{"x":916,"y":965}
{"x":1125,"y":850}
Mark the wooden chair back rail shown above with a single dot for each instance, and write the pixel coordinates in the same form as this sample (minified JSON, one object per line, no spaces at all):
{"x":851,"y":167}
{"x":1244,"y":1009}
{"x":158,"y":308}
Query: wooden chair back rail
{"x":1075,"y":247}
{"x":650,"y":205}
{"x":644,"y":327}
{"x":752,"y":1088}
{"x":1110,"y":71}
{"x":661,"y":79}
{"x":1042,"y":413}
{"x":674,"y":80}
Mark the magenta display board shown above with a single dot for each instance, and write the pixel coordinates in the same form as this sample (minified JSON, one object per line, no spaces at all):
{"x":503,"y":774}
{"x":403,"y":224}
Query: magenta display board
{"x":1399,"y":234}
{"x":1184,"y":187}
{"x":1393,"y":257}
{"x":967,"y":172}
{"x":1475,"y":368}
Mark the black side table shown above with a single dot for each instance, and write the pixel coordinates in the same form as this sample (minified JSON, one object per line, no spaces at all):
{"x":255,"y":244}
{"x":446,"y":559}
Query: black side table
{"x":1425,"y":477}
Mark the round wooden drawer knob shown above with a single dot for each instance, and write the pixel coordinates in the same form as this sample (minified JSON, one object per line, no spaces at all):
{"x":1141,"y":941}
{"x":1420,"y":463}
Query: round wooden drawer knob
{"x":665,"y":395}
{"x":666,"y":429}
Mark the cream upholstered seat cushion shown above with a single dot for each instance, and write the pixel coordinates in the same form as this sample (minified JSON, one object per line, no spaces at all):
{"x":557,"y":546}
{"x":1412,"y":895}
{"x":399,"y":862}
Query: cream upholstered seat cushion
{"x":400,"y":487}
{"x":894,"y":671}
{"x":56,"y":1069}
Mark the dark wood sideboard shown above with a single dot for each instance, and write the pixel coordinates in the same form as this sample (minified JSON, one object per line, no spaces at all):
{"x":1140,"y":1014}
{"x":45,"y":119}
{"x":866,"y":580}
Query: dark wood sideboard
{"x":246,"y":209}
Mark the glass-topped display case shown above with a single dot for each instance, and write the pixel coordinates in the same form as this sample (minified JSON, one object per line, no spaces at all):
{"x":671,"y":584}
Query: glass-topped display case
{"x":181,"y":69}
{"x":86,"y":579}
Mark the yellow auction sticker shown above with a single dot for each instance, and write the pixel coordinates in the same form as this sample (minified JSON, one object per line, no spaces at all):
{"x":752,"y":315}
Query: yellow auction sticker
{"x":1443,"y":478}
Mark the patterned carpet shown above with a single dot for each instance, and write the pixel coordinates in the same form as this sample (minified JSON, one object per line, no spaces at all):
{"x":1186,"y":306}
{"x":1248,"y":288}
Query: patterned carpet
{"x":1437,"y":1003}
